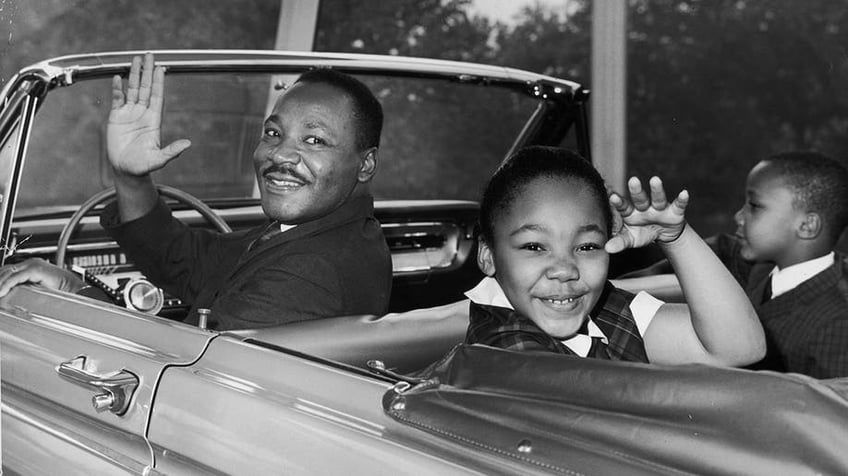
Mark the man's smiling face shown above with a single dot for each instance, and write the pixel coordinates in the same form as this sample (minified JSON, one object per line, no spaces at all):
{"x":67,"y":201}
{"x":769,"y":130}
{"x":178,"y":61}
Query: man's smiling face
{"x":307,"y":162}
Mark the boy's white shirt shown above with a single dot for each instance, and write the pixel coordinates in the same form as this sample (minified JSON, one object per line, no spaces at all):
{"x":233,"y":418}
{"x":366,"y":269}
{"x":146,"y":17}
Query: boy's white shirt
{"x":787,"y":279}
{"x":644,"y":307}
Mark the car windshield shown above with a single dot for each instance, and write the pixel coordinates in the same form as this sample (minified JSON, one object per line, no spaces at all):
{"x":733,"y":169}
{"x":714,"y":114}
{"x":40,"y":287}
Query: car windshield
{"x":441,"y":139}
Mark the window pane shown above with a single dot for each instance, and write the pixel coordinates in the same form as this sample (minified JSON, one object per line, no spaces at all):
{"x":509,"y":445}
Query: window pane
{"x":439,"y":139}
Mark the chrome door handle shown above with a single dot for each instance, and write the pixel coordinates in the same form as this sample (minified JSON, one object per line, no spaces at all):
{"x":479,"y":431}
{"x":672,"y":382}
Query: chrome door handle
{"x":114,"y":390}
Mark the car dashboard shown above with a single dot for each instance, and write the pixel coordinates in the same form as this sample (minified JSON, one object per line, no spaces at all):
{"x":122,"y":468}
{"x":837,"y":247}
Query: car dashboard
{"x":431,"y":241}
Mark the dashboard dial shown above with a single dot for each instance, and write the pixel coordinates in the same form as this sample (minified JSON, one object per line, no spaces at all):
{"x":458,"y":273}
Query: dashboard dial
{"x":142,"y":295}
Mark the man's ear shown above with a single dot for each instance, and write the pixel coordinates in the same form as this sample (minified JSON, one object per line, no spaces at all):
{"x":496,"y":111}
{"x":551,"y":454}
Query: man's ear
{"x":485,"y":260}
{"x":810,"y":227}
{"x":368,"y":165}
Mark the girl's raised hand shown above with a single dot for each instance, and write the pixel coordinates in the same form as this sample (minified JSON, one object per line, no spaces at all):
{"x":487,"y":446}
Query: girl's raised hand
{"x":646,"y":218}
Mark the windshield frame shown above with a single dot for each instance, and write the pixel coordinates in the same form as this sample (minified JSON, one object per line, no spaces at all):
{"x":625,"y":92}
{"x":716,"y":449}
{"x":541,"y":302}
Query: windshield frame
{"x":562,"y":105}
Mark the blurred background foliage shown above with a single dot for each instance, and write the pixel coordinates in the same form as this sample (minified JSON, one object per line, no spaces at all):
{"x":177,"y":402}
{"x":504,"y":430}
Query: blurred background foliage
{"x":713,"y":85}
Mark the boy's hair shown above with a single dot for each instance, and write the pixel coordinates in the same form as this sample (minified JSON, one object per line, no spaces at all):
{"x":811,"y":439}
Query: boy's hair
{"x":366,"y":108}
{"x":820,"y":185}
{"x":528,"y":164}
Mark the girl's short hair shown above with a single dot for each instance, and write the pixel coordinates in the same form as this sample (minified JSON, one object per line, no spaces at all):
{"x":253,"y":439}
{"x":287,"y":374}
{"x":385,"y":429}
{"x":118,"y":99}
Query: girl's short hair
{"x":528,"y":164}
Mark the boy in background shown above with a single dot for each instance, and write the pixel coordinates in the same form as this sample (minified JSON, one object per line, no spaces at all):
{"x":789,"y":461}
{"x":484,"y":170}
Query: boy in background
{"x":783,"y":254}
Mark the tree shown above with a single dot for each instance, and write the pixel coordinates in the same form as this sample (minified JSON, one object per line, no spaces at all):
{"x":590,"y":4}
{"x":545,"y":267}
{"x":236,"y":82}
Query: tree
{"x":424,"y":28}
{"x":715,"y":86}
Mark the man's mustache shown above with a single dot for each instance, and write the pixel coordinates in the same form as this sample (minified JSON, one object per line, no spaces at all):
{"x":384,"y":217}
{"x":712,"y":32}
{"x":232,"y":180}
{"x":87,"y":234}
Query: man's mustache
{"x":284,"y":170}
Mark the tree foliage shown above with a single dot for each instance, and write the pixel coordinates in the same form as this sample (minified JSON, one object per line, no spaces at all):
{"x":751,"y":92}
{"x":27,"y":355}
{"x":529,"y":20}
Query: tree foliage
{"x":41,"y":29}
{"x":713,"y":85}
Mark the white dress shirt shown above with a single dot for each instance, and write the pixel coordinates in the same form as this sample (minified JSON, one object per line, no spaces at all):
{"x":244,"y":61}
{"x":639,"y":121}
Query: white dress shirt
{"x":787,"y":279}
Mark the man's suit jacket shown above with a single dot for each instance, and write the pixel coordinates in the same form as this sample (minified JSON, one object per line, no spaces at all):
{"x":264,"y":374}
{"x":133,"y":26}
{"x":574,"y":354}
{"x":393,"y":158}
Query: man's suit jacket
{"x":336,"y":265}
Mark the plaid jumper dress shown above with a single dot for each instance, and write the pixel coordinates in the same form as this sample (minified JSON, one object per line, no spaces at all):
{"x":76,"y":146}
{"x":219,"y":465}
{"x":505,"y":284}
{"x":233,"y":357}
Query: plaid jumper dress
{"x":505,"y":328}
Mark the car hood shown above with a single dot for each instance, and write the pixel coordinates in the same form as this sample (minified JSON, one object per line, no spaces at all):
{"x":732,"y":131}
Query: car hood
{"x":566,"y":413}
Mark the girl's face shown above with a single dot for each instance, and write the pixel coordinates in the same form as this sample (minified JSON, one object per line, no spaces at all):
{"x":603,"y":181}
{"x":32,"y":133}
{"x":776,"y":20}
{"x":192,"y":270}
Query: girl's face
{"x":548,"y":254}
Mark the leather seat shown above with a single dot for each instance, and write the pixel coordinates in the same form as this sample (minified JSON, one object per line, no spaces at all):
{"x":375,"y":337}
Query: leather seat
{"x":404,"y":341}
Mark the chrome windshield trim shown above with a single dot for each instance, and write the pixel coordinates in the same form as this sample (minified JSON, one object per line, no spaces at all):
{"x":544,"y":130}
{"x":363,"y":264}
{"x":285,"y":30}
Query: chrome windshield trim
{"x":11,"y":183}
{"x":62,"y":70}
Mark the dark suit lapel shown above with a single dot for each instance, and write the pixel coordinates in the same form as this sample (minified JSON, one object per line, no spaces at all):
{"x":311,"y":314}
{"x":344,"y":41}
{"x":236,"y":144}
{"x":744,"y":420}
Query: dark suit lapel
{"x":812,"y":288}
{"x":355,"y":209}
{"x":757,"y":281}
{"x":809,"y":290}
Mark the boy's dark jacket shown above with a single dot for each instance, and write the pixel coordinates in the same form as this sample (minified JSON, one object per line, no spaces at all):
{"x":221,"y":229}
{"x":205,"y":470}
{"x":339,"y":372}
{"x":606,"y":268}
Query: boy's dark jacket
{"x":806,"y":328}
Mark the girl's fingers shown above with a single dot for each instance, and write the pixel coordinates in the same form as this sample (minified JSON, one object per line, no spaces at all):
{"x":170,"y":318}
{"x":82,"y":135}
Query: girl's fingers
{"x":681,"y":202}
{"x":623,"y":207}
{"x":651,"y":201}
{"x":618,"y":243}
{"x":658,"y":198}
{"x":638,"y":197}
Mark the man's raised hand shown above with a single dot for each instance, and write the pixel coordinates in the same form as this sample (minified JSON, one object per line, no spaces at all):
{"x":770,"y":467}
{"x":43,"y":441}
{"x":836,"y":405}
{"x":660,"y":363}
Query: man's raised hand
{"x":133,"y":133}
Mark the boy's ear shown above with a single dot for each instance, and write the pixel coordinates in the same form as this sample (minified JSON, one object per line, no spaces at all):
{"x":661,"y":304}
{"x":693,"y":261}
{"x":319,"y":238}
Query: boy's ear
{"x":810,"y":227}
{"x":485,"y":260}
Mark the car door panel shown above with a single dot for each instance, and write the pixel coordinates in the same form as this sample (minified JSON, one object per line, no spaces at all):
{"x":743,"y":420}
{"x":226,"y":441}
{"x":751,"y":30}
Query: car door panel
{"x":52,"y":439}
{"x":39,"y":331}
{"x":246,"y":409}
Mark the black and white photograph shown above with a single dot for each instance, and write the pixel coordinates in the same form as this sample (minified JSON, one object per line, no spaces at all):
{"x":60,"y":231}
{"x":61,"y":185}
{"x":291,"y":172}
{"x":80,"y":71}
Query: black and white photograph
{"x":423,"y":237}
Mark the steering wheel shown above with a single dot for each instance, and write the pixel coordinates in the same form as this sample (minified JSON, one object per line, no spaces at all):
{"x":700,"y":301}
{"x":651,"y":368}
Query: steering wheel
{"x":110,"y":193}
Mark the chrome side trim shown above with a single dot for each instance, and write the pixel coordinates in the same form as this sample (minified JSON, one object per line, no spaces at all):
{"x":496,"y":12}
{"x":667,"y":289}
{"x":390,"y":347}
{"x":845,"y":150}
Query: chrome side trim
{"x":12,"y":182}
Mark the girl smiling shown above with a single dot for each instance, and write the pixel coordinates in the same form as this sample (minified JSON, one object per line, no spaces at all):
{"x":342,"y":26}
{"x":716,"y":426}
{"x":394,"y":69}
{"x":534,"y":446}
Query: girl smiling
{"x":546,"y":232}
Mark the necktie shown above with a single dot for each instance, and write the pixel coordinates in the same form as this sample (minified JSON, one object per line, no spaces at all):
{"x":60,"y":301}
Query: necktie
{"x":599,"y":349}
{"x":767,"y":290}
{"x":272,"y":230}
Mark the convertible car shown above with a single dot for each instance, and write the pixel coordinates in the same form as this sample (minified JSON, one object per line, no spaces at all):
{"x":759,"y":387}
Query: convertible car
{"x":124,"y":387}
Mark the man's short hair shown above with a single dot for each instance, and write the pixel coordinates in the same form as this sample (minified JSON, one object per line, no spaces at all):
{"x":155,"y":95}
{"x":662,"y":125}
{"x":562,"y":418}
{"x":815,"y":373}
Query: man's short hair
{"x":819,"y":183}
{"x":367,"y":110}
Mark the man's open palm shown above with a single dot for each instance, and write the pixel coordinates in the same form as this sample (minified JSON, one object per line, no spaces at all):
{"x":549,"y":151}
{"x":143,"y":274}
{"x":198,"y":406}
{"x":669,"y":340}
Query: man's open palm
{"x":133,"y":132}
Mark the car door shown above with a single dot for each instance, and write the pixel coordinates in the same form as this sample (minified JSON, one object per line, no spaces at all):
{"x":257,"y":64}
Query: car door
{"x":78,"y":381}
{"x":248,"y":407}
